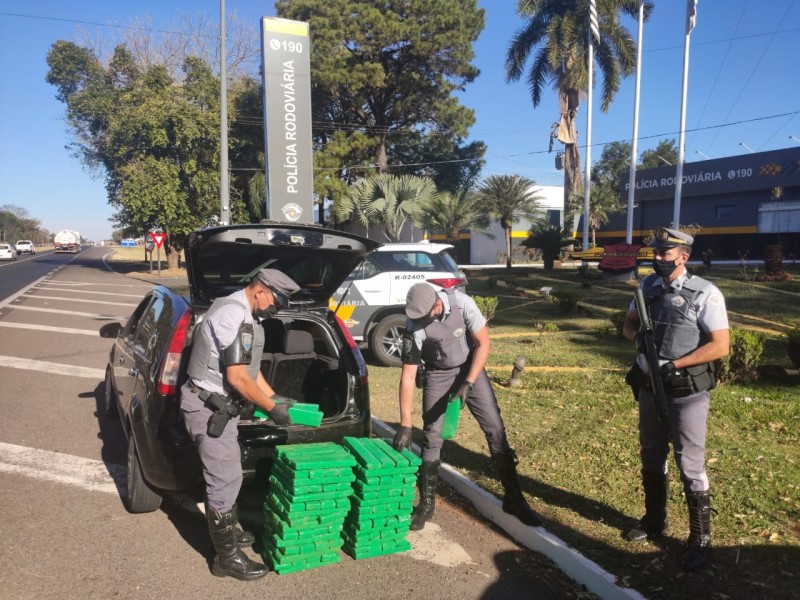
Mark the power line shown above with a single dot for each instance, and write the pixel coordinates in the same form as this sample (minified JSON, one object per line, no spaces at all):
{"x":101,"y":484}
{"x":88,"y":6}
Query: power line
{"x":112,"y":25}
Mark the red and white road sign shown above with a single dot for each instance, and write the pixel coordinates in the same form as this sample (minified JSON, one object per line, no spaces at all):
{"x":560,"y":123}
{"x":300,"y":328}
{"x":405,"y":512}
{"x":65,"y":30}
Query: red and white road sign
{"x":158,"y":238}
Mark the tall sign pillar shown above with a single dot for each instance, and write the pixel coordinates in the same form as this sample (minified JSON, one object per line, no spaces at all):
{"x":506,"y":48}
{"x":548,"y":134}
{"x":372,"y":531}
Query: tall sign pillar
{"x":286,"y":85}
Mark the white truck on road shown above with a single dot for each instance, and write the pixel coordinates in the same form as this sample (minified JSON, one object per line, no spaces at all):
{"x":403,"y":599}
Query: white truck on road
{"x":67,"y":240}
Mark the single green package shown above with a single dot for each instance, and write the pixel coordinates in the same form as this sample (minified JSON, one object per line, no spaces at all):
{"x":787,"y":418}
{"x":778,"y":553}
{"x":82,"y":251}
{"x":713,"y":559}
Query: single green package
{"x":451,"y":418}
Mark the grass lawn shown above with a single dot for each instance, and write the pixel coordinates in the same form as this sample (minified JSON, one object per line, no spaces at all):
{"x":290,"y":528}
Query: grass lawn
{"x":573,"y":423}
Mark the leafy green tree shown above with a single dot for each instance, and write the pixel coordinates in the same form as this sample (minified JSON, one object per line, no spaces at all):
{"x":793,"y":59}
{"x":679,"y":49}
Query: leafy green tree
{"x":555,"y":40}
{"x":665,"y":152}
{"x":383,"y":83}
{"x":449,"y":214}
{"x":508,"y":198}
{"x":548,"y":238}
{"x":154,"y":139}
{"x":387,"y":199}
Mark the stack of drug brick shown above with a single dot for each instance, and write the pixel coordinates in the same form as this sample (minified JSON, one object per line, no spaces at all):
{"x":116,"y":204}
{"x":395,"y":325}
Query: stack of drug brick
{"x":309,"y":498}
{"x":380,"y":516}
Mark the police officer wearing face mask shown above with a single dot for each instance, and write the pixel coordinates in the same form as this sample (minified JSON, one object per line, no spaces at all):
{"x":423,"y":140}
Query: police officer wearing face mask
{"x":447,"y":332}
{"x":225,"y":362}
{"x":690,"y":326}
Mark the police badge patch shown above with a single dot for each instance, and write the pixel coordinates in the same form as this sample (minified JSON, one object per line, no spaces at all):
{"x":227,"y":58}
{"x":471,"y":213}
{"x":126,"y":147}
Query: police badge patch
{"x":247,"y":341}
{"x":678,"y":301}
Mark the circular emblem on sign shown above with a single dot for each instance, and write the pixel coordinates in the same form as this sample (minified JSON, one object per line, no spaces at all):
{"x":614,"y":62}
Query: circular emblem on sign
{"x":275,"y":44}
{"x":678,"y":301}
{"x":458,"y":332}
{"x":247,"y":341}
{"x":292,"y":211}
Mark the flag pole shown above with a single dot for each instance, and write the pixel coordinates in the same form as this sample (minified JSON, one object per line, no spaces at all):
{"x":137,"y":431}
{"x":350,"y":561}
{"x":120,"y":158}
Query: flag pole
{"x":593,"y":32}
{"x":691,"y":13}
{"x":635,"y":140}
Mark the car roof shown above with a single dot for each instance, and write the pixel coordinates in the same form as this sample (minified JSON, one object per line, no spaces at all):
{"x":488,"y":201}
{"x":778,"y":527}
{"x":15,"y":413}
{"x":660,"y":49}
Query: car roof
{"x":414,"y":247}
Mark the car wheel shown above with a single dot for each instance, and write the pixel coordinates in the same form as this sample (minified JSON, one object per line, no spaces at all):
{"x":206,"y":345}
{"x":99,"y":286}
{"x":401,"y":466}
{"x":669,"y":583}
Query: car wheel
{"x":110,"y":398}
{"x":140,"y":498}
{"x":387,"y":340}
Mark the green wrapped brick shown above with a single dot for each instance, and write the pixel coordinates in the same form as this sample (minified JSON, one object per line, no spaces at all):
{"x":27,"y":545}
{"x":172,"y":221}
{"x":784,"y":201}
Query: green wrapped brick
{"x":339,"y":491}
{"x":301,"y":413}
{"x":379,"y":548}
{"x":450,"y":424}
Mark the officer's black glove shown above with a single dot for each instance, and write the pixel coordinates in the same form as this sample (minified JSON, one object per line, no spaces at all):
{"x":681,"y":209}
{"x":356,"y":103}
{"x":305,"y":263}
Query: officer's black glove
{"x":402,"y":439}
{"x":463,"y":392}
{"x":667,"y":370}
{"x":280,"y":413}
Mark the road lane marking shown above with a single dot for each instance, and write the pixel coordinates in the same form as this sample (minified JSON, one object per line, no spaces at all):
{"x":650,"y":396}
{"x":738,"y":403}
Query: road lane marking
{"x":34,"y":327}
{"x":86,"y":473}
{"x":69,"y":312}
{"x":43,"y":366}
{"x":93,"y":284}
{"x":52,"y":289}
{"x":67,"y":299}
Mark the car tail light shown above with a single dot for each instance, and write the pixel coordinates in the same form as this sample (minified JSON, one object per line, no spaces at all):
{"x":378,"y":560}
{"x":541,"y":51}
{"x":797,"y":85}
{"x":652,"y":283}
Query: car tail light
{"x":448,"y":282}
{"x":167,"y":382}
{"x":362,"y":365}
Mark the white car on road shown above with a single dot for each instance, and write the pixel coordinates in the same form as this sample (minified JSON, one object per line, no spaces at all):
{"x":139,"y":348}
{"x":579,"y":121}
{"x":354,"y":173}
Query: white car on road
{"x":8,"y":252}
{"x":371,"y":302}
{"x":25,"y":247}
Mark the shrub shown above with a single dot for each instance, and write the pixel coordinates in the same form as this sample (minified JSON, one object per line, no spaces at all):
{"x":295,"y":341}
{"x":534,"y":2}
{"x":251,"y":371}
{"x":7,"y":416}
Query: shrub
{"x":487,"y":306}
{"x":567,"y":300}
{"x":793,"y":345}
{"x":742,"y":361}
{"x":550,"y":328}
{"x":618,"y":320}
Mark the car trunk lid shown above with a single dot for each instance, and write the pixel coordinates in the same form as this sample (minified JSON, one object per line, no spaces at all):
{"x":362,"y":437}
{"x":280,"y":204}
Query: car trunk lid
{"x":221,"y":260}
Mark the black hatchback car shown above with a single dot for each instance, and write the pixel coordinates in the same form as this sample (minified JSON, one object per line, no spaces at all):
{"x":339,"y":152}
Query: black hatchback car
{"x":309,"y":354}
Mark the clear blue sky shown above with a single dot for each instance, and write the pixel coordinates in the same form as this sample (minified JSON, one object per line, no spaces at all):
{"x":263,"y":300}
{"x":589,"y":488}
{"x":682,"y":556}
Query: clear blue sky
{"x":743,"y":68}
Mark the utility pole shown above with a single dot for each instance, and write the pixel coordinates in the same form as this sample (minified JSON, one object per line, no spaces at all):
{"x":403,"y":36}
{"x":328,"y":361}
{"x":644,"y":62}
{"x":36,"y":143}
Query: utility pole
{"x":224,"y":191}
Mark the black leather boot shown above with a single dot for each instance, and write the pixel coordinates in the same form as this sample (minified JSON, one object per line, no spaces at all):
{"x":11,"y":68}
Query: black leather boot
{"x":514,"y":503}
{"x":229,"y":559}
{"x":655,"y":521}
{"x":426,"y":481}
{"x":699,"y":552}
{"x":244,"y":538}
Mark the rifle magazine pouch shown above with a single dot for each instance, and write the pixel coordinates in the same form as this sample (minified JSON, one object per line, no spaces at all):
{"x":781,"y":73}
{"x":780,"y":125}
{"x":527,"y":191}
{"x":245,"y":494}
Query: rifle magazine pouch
{"x":702,"y":377}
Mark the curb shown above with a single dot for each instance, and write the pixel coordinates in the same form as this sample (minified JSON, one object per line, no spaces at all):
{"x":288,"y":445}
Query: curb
{"x":569,"y":560}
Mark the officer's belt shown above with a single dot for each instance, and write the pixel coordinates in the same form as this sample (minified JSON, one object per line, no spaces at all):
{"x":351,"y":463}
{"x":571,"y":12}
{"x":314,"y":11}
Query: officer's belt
{"x":432,"y":368}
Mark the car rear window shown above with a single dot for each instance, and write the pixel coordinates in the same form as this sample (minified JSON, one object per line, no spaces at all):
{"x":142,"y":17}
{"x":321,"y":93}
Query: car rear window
{"x":3,"y":246}
{"x":413,"y":261}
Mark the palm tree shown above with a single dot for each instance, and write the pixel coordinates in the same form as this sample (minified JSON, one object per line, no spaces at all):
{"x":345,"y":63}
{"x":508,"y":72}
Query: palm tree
{"x":556,"y":36}
{"x":449,"y":214}
{"x":548,"y":238}
{"x":509,"y":198}
{"x":388,"y":199}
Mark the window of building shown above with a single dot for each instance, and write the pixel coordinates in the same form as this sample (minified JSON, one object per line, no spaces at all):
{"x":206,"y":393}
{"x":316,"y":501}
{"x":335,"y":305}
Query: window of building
{"x":779,"y":217}
{"x":724,"y":211}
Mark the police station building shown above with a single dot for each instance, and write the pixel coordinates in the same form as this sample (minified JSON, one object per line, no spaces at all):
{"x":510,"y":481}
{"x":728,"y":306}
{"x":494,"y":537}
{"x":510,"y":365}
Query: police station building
{"x":742,"y":204}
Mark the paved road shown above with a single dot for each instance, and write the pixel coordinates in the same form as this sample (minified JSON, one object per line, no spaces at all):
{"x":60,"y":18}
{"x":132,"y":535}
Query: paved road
{"x":64,"y":530}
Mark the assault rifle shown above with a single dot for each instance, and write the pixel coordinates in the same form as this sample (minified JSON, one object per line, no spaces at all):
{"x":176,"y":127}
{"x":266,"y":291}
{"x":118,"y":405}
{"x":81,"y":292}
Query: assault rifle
{"x":651,"y":355}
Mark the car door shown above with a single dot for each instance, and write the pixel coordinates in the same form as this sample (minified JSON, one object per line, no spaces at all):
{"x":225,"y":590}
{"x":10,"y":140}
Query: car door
{"x":365,"y":291}
{"x":124,"y":361}
{"x":143,"y":351}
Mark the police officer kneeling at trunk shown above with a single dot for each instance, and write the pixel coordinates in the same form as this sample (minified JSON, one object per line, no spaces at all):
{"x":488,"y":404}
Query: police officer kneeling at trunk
{"x":224,"y":370}
{"x":689,"y":332}
{"x":447,"y":332}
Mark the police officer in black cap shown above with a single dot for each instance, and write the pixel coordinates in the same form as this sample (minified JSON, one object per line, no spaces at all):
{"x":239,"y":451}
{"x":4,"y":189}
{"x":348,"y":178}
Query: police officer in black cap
{"x":690,"y":325}
{"x":447,"y":332}
{"x":225,"y":364}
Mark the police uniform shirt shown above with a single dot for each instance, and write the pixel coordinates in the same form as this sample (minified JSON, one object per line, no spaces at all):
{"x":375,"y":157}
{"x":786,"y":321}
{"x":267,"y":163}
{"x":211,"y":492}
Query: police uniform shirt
{"x":415,"y":334}
{"x":223,"y":326}
{"x":709,"y":309}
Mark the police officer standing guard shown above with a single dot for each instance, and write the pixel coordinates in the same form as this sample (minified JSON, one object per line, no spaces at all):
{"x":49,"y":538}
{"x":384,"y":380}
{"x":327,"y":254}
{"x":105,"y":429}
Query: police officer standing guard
{"x":224,"y":367}
{"x":447,"y":332}
{"x":690,"y":331}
